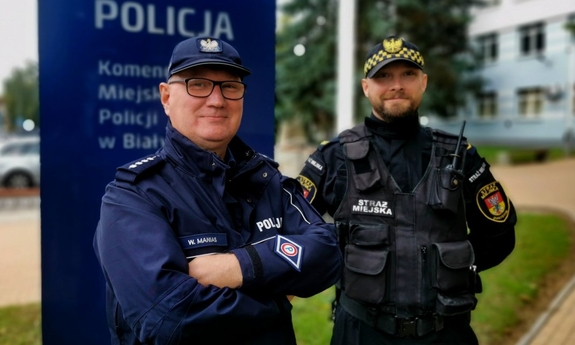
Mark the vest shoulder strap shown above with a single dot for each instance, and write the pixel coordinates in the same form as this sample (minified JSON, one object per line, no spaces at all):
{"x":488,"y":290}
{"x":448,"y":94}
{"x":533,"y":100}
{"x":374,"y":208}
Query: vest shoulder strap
{"x":355,"y":133}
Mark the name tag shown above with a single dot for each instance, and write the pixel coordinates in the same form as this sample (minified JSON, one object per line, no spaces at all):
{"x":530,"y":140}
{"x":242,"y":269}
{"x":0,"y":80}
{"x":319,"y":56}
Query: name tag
{"x":203,"y":240}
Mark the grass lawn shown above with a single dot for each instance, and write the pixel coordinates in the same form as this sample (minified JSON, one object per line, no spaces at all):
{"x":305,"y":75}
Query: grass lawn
{"x":511,"y":291}
{"x":514,"y":155}
{"x":20,"y":325}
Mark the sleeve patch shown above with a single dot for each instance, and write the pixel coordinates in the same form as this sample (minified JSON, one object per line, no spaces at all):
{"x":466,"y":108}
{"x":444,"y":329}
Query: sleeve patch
{"x":315,"y":164}
{"x":493,"y":202}
{"x":289,"y":251}
{"x":477,"y":173}
{"x":309,"y":188}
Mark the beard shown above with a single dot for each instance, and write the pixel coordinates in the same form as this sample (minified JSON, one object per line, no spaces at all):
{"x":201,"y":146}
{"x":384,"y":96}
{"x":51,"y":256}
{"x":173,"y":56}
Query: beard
{"x":397,"y":114}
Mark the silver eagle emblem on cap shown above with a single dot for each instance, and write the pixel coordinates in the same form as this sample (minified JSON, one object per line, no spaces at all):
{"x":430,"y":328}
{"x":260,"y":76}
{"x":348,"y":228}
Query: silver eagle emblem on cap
{"x":209,"y":45}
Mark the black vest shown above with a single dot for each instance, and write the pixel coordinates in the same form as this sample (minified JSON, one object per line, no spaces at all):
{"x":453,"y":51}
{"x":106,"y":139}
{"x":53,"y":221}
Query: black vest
{"x":405,"y":252}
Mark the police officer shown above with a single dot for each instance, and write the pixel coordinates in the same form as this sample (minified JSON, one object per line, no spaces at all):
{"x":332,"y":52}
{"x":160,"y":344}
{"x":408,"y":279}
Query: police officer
{"x":203,"y":241}
{"x":403,"y":197}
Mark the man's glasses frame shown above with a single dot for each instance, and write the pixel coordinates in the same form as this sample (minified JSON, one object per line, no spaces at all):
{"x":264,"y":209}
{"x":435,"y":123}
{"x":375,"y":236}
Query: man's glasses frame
{"x":225,"y":87}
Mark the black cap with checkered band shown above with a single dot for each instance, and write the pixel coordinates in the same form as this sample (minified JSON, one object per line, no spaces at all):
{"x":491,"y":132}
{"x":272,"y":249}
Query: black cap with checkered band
{"x":393,"y":48}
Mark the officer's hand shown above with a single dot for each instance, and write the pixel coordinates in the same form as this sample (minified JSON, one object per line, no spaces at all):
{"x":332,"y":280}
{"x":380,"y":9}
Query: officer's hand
{"x":221,"y":270}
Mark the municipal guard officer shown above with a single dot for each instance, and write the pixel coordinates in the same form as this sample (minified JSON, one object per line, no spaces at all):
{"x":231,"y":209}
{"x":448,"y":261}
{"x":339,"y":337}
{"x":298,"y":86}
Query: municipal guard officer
{"x":403,"y":197}
{"x":204,"y":241}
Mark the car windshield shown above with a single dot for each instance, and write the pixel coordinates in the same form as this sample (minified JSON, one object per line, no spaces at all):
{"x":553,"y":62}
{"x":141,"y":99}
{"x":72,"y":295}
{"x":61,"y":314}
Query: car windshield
{"x":18,"y":149}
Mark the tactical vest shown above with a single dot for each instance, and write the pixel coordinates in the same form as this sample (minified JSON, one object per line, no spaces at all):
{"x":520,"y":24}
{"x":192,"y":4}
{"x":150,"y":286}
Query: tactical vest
{"x":406,"y":253}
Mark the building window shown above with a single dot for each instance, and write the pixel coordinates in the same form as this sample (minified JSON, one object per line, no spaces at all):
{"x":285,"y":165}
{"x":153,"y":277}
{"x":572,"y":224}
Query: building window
{"x":487,"y":45}
{"x":487,"y":105}
{"x":531,"y":102}
{"x":532,"y":39}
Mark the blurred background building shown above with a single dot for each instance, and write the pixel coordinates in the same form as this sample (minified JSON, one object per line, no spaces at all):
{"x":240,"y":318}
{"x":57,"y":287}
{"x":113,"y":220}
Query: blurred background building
{"x":527,"y":54}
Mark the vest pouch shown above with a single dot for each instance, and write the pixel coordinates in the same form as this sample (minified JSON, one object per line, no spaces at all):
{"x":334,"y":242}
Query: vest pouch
{"x":364,"y":176}
{"x":365,"y":258}
{"x":450,"y":266}
{"x":444,"y":194}
{"x":452,"y":305}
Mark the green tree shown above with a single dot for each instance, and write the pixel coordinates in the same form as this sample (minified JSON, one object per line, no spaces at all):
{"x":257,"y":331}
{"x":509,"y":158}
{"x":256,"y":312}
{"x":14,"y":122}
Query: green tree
{"x":21,"y":96}
{"x":570,"y":26}
{"x":306,"y":85}
{"x":439,"y":28}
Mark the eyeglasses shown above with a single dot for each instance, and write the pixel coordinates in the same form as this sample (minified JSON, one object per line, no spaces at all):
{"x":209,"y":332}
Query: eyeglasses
{"x":202,"y":87}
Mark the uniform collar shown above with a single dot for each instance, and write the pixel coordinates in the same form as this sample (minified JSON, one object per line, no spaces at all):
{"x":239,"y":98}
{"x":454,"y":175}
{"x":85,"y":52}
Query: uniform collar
{"x":404,"y":128}
{"x":199,"y":161}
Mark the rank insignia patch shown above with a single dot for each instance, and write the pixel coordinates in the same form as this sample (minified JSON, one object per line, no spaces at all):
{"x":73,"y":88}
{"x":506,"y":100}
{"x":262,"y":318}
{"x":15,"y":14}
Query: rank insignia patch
{"x":309,"y":189}
{"x":493,"y":202}
{"x":289,"y":251}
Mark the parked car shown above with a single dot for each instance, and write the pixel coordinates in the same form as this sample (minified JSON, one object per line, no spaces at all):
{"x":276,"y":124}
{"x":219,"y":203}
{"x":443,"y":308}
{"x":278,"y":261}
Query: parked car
{"x":20,"y":162}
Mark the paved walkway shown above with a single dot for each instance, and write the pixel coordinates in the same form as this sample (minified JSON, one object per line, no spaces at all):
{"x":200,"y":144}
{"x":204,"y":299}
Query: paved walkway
{"x":537,"y":186}
{"x":20,"y":256}
{"x":546,"y":186}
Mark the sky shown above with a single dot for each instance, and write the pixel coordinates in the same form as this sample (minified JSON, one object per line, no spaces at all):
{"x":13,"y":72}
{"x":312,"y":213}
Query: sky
{"x":18,"y":35}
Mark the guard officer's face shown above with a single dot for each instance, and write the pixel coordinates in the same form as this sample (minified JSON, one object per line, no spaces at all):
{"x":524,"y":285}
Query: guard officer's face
{"x":395,"y":90}
{"x":209,"y":122}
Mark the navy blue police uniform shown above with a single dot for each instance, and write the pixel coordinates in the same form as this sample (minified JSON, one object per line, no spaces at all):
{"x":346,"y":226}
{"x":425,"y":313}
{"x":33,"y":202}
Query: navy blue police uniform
{"x":183,"y":202}
{"x":415,"y":227}
{"x":165,"y":209}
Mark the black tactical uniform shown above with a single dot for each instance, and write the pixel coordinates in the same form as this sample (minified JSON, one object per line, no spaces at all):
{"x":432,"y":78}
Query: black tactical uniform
{"x":414,"y":230}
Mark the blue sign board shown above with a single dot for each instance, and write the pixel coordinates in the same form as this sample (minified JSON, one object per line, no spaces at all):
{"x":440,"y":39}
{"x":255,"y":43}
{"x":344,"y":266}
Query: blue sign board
{"x":100,"y":65}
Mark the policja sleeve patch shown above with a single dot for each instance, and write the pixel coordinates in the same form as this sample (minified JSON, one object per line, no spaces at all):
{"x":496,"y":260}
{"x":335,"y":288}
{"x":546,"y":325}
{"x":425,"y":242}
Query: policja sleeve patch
{"x":289,"y":251}
{"x":493,"y":202}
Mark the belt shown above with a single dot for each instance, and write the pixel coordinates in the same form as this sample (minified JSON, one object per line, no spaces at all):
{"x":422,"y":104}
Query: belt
{"x":400,"y":327}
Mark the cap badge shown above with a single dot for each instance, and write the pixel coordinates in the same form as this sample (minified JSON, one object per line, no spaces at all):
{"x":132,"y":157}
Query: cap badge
{"x":209,"y":46}
{"x":392,"y":45}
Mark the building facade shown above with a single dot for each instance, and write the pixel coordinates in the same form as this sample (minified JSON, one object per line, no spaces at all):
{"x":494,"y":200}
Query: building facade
{"x":528,"y":66}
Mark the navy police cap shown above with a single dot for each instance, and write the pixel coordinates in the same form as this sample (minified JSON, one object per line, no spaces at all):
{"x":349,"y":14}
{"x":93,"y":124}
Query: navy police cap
{"x":203,"y":51}
{"x":393,"y":48}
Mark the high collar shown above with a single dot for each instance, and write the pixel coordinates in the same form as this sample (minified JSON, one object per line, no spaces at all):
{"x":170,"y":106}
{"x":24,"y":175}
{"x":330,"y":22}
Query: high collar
{"x":199,"y":161}
{"x":405,"y":128}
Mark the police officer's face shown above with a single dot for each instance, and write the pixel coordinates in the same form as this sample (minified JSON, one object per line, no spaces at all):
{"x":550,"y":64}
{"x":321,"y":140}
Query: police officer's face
{"x":395,"y":90}
{"x":209,"y":122}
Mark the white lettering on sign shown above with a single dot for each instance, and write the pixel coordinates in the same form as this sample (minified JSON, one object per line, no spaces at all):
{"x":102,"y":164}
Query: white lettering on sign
{"x":140,"y":141}
{"x":135,"y":17}
{"x":109,"y":69}
{"x":107,"y":142}
{"x":133,"y":94}
{"x":128,"y":117}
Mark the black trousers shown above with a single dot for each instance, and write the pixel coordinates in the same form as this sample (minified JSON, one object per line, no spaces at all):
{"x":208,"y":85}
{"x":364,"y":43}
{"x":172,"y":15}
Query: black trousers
{"x":348,"y":330}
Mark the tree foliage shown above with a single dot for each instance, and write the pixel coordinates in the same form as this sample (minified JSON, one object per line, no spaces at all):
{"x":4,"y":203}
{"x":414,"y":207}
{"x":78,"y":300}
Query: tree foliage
{"x":306,"y":85}
{"x":21,"y":96}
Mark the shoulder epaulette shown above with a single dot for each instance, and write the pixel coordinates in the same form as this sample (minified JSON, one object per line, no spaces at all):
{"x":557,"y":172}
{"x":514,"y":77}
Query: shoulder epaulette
{"x":442,"y":133}
{"x":131,"y":171}
{"x":268,"y":159}
{"x":446,"y":137}
{"x":327,"y":143}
